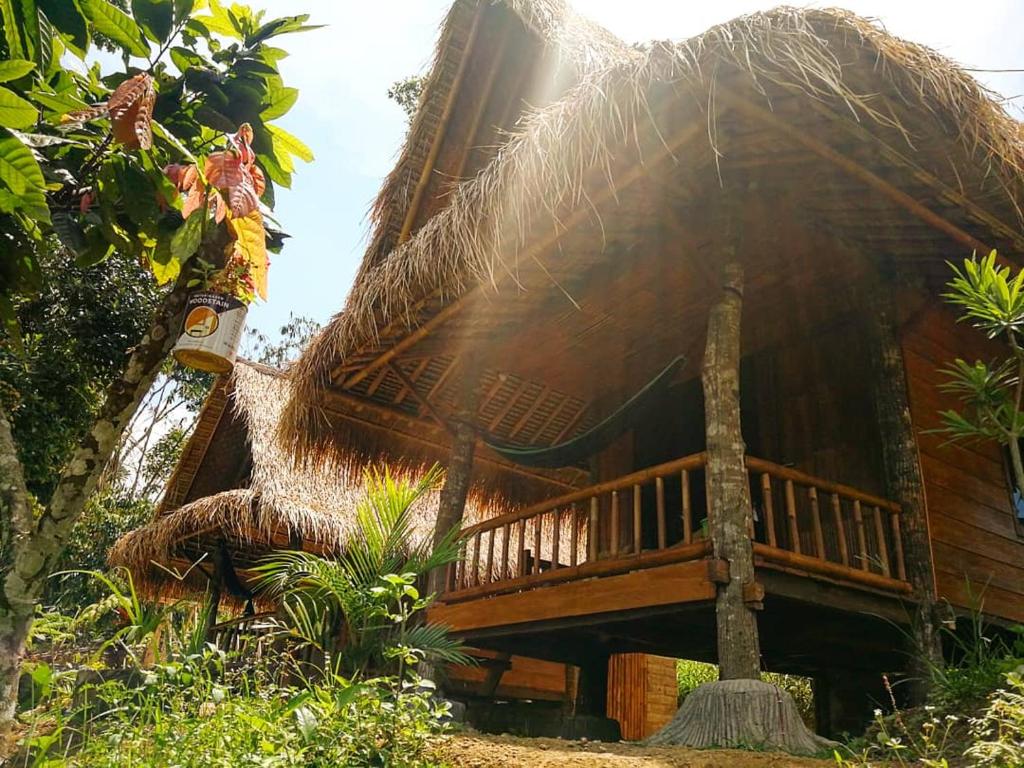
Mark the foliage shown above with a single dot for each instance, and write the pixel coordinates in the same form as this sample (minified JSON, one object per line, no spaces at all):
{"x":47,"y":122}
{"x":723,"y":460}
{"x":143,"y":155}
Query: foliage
{"x":294,"y":335}
{"x":107,"y":516}
{"x":200,"y":712}
{"x":992,"y":393}
{"x":198,"y":706}
{"x":368,"y":595}
{"x":691,"y":674}
{"x":975,"y":707}
{"x":406,"y":93}
{"x":140,"y":619}
{"x":999,"y":731}
{"x":981,"y":660}
{"x":108,"y":161}
{"x":75,"y":329}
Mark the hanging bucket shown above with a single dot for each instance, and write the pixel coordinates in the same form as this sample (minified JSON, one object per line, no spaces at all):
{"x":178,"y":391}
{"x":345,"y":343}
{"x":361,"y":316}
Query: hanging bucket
{"x":211,"y":332}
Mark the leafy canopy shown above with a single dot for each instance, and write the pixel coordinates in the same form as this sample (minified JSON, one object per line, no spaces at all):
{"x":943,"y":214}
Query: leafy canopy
{"x":96,"y":159}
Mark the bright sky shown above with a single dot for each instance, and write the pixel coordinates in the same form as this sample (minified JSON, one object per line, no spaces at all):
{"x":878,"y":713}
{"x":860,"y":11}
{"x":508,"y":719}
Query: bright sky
{"x":343,"y":113}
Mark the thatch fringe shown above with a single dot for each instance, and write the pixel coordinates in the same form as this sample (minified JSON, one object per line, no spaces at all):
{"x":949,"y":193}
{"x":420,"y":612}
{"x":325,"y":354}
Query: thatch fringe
{"x":542,"y":168}
{"x":579,"y":44}
{"x":283,"y":501}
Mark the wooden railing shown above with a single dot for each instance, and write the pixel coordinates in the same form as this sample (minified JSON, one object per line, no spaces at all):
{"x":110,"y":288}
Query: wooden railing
{"x":237,"y":634}
{"x":659,"y":515}
{"x":828,"y":521}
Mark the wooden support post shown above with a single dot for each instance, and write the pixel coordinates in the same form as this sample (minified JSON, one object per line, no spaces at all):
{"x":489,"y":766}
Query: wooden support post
{"x":731,"y":513}
{"x":452,"y":501}
{"x":903,"y":477}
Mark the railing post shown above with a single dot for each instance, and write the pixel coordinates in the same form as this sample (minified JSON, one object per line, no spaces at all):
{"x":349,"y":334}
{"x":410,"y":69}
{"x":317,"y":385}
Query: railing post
{"x":659,"y":492}
{"x":794,"y":528}
{"x":819,"y":536}
{"x":769,"y":508}
{"x":638,"y":533}
{"x":837,"y":514}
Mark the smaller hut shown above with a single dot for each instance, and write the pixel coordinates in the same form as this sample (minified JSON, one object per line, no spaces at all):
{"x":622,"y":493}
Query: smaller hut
{"x":236,"y":495}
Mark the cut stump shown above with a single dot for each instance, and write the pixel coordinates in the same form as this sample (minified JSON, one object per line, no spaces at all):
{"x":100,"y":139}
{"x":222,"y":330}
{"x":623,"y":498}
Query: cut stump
{"x":740,"y":713}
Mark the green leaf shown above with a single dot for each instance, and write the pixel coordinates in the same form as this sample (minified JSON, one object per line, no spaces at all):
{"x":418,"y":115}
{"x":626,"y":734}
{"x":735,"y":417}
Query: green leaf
{"x":30,"y":31}
{"x":211,"y":118}
{"x":188,"y":237}
{"x":60,"y":103}
{"x":184,"y":58}
{"x":66,"y":16}
{"x":281,"y":100}
{"x":281,"y":26}
{"x":12,"y":69}
{"x":15,"y":112}
{"x":9,"y":322}
{"x":156,"y":17}
{"x":11,"y":25}
{"x":290,"y":143}
{"x":20,"y":172}
{"x":182,"y":9}
{"x":117,"y":25}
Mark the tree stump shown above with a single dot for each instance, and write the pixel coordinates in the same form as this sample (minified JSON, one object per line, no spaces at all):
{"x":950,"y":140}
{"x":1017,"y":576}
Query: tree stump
{"x":740,"y":713}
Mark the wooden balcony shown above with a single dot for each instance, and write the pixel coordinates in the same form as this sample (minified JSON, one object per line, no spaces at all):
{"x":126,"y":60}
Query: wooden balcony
{"x":654,"y":521}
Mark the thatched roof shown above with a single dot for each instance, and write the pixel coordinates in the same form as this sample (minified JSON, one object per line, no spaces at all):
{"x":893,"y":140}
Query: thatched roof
{"x":271,"y":504}
{"x":577,"y":45}
{"x":815,"y":67}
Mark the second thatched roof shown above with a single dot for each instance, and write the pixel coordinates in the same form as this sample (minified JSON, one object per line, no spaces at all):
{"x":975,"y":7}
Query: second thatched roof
{"x":276,"y":504}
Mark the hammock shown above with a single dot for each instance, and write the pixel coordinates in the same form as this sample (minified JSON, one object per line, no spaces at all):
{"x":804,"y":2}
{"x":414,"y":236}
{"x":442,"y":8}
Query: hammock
{"x":597,"y":437}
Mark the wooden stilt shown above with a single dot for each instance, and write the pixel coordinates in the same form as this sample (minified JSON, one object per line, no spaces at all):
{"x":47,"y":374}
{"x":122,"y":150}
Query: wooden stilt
{"x":731,"y":512}
{"x":904,"y":481}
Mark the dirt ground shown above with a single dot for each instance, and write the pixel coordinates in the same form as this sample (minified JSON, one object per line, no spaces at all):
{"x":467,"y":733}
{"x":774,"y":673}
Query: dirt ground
{"x":477,"y":751}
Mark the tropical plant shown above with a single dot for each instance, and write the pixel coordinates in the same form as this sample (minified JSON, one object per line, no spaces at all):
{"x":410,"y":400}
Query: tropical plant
{"x":992,"y":393}
{"x":171,"y":161}
{"x":999,"y":732}
{"x":139,"y":619}
{"x":358,"y":608}
{"x":199,"y":712}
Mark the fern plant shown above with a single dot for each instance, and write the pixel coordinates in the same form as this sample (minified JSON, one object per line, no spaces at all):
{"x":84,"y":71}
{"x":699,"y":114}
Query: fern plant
{"x":361,"y":608}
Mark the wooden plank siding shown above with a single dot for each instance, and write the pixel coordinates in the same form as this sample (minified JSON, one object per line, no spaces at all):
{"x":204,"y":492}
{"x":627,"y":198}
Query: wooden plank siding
{"x":642,"y":693}
{"x":525,"y":678}
{"x":976,"y":545}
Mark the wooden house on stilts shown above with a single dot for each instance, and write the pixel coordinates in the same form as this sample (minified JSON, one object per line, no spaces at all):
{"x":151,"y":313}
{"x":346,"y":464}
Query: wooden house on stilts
{"x":569,"y":217}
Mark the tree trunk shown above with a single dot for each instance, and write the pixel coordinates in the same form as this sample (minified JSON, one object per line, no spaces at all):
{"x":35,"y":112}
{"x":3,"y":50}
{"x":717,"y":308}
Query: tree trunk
{"x":38,"y":544}
{"x":731,"y":516}
{"x":741,"y":713}
{"x":904,"y":482}
{"x":458,"y":474}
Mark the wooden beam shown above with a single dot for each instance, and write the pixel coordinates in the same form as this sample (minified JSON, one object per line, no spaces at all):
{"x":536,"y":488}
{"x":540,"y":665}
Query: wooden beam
{"x":853,"y":168}
{"x":434,"y":414}
{"x":414,"y":377}
{"x":679,"y":583}
{"x":344,"y":402}
{"x":997,"y":225}
{"x":442,"y":127}
{"x":534,"y":252}
{"x":483,"y":102}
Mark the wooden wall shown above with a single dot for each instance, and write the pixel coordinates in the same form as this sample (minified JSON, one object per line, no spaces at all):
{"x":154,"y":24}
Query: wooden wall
{"x":973,"y":532}
{"x":642,"y":693}
{"x":525,"y":679}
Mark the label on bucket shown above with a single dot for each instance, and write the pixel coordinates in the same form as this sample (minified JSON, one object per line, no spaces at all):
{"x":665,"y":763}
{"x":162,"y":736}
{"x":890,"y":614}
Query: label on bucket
{"x":211,"y":332}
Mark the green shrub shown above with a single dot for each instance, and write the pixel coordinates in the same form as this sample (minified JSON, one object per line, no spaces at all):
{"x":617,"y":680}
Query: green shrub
{"x":999,"y":733}
{"x":196,"y":714}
